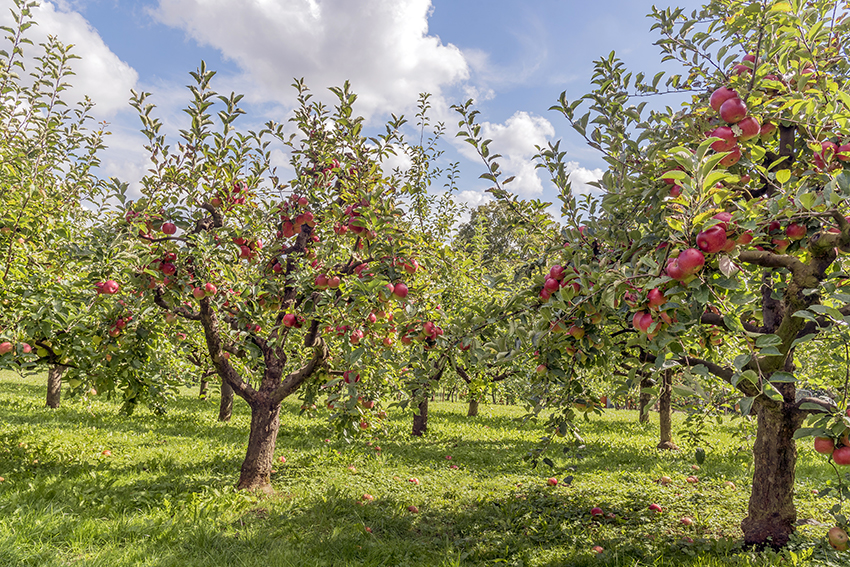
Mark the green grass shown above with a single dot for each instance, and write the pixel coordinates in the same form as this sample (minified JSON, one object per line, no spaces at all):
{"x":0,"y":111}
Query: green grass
{"x":165,"y":496}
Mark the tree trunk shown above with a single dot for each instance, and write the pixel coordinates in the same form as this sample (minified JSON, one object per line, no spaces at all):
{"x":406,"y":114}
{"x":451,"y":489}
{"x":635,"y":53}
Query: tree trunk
{"x":665,"y":418}
{"x":225,"y":407}
{"x":771,"y":514}
{"x":54,"y":385}
{"x":257,"y":466}
{"x":473,"y":408}
{"x":202,"y":391}
{"x":420,"y":421}
{"x":644,"y":400}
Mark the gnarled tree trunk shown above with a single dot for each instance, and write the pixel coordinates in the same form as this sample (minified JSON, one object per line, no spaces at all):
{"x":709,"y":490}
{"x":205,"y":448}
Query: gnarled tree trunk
{"x":257,"y":467}
{"x":54,"y":385}
{"x":202,"y":391}
{"x":473,"y":407}
{"x":771,"y":513}
{"x":420,"y":421}
{"x":664,"y":413}
{"x":225,"y":406}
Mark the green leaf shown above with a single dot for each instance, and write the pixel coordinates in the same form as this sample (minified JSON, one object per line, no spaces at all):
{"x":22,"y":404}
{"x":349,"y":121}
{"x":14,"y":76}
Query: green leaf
{"x":768,"y":341}
{"x":809,"y":406}
{"x":770,"y":351}
{"x":803,"y":339}
{"x":783,"y":176}
{"x":807,"y":432}
{"x":782,"y":377}
{"x":746,"y":404}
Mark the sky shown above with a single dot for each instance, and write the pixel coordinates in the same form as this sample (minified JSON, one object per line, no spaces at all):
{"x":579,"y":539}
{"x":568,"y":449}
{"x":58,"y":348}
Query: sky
{"x":514,"y":58}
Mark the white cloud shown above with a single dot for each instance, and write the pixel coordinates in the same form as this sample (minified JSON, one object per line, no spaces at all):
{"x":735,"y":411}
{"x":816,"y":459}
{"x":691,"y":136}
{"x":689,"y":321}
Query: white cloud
{"x":515,"y":141}
{"x":381,"y":46}
{"x":99,"y":73}
{"x":581,"y":176}
{"x":474,"y":198}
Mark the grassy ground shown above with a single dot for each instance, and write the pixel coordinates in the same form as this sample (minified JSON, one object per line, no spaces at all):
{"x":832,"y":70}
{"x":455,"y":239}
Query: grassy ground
{"x":164,"y":497}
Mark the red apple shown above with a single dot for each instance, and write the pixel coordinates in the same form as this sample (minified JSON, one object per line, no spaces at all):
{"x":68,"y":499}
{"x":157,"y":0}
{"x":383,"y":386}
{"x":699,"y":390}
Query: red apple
{"x":597,"y":549}
{"x":199,"y":293}
{"x":552,"y":481}
{"x":290,"y":320}
{"x":733,"y":158}
{"x":541,"y":369}
{"x":169,"y":228}
{"x":750,"y":128}
{"x":551,"y":285}
{"x":6,"y":347}
{"x":841,"y":456}
{"x":596,"y":511}
{"x":655,"y":298}
{"x":673,"y":270}
{"x":642,"y":321}
{"x":576,"y":332}
{"x":824,"y":445}
{"x":413,"y":509}
{"x":733,"y":110}
{"x":400,"y":290}
{"x":655,"y":508}
{"x":350,"y":377}
{"x":411,"y":267}
{"x":210,"y":289}
{"x":795,"y":231}
{"x":712,"y":240}
{"x":691,"y":261}
{"x":720,"y":96}
{"x":843,"y":152}
{"x":727,"y":139}
{"x":686,"y":521}
{"x":838,"y":539}
{"x":768,"y":130}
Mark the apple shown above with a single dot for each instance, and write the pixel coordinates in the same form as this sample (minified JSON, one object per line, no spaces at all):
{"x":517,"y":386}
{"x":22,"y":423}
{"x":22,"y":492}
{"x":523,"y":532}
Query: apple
{"x":768,"y":130}
{"x":576,"y":332}
{"x":733,"y":110}
{"x":720,"y":96}
{"x":333,"y":282}
{"x":841,"y":456}
{"x":837,"y":538}
{"x":290,"y":320}
{"x":413,"y":480}
{"x":665,"y":480}
{"x":413,"y":509}
{"x":597,"y":549}
{"x":596,"y":511}
{"x":210,"y":289}
{"x":169,"y":228}
{"x":686,"y":521}
{"x":673,"y":270}
{"x":199,"y":293}
{"x":552,"y":481}
{"x":727,"y":139}
{"x":5,"y":348}
{"x":642,"y":321}
{"x":656,"y":508}
{"x":106,"y":453}
{"x":368,"y":497}
{"x":733,"y":157}
{"x":749,"y":127}
{"x":556,"y":272}
{"x":350,"y":377}
{"x":695,"y":467}
{"x":551,"y":285}
{"x":712,"y":239}
{"x":691,"y":261}
{"x":108,"y":287}
{"x":364,"y":425}
{"x":282,"y":459}
{"x":692,"y":480}
{"x":730,"y":485}
{"x":411,"y":267}
{"x":400,"y":290}
{"x":843,"y":152}
{"x":168,"y":268}
{"x":542,"y":369}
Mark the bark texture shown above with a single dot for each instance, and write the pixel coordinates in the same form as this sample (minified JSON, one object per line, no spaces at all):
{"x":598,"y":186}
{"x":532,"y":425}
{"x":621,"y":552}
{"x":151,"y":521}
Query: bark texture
{"x":420,"y":421}
{"x":202,"y":391}
{"x":257,"y":466}
{"x":54,"y":385}
{"x":473,"y":408}
{"x":665,"y":419}
{"x":644,"y":400}
{"x":772,"y":514}
{"x":225,"y":406}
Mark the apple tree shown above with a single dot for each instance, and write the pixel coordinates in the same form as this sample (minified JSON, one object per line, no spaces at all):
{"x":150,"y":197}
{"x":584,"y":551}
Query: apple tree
{"x":716,"y":247}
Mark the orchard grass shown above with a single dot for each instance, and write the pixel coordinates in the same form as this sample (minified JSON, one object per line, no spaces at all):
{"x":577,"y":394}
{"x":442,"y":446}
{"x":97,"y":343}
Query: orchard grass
{"x":165,"y":496}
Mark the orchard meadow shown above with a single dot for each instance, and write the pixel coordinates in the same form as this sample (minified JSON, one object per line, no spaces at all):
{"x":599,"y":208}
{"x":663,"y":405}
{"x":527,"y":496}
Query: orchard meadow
{"x":217,"y":364}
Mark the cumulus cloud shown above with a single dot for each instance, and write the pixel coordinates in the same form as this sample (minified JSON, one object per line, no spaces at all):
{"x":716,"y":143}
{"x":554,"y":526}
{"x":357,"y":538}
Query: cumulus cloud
{"x":382,"y":46}
{"x":580,"y":178}
{"x":99,"y":73}
{"x":515,"y":140}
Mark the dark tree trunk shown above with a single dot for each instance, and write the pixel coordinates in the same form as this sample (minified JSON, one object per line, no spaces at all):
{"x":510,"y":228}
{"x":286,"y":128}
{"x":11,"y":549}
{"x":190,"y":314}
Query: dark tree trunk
{"x":473,"y":408}
{"x":257,"y":466}
{"x":202,"y":391}
{"x":54,"y":385}
{"x":420,"y":421}
{"x":664,"y":415}
{"x":225,"y":407}
{"x":644,"y":400}
{"x":771,"y":514}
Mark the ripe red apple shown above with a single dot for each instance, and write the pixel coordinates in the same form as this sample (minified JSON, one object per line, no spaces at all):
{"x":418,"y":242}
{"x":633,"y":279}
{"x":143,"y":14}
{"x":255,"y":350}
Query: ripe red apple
{"x":400,"y":290}
{"x":106,"y":453}
{"x":168,"y":269}
{"x":541,"y":369}
{"x":411,"y":267}
{"x":596,"y":511}
{"x":768,"y":130}
{"x":824,"y":445}
{"x":576,"y":332}
{"x":712,"y":239}
{"x":350,"y":377}
{"x":289,"y":320}
{"x":199,"y":293}
{"x":733,"y":110}
{"x":556,"y":272}
{"x":642,"y":321}
{"x":733,"y":157}
{"x":210,"y":289}
{"x":413,"y":509}
{"x":673,"y":270}
{"x":727,"y":139}
{"x":5,"y":348}
{"x":841,"y":456}
{"x":795,"y":231}
{"x":686,"y":521}
{"x":597,"y":549}
{"x":843,"y":152}
{"x":724,"y":218}
{"x":333,"y":282}
{"x":691,"y":261}
{"x":720,"y":96}
{"x":655,"y":508}
{"x":838,"y":539}
{"x":169,"y":228}
{"x":551,"y":285}
{"x":665,"y":480}
{"x":552,"y":481}
{"x":750,"y":128}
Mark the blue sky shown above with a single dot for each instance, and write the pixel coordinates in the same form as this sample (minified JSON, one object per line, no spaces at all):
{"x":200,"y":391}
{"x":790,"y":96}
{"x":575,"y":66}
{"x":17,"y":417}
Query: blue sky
{"x":514,"y":58}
